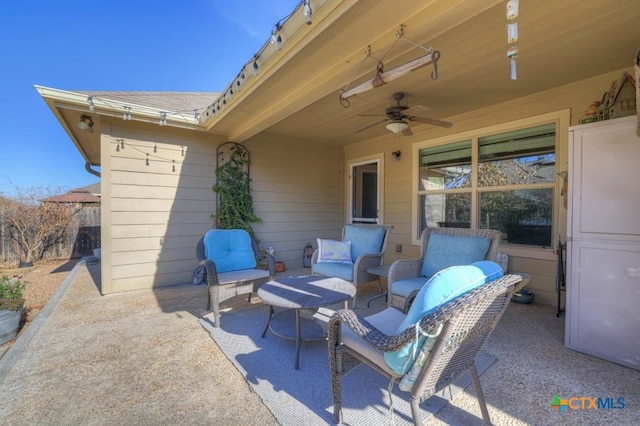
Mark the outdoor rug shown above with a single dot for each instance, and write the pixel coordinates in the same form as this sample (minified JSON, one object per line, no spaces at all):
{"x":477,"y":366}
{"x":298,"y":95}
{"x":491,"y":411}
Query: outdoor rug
{"x":303,"y":397}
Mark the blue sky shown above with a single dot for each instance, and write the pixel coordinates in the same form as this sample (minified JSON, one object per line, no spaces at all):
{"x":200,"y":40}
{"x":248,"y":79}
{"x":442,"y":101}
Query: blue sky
{"x":165,"y":45}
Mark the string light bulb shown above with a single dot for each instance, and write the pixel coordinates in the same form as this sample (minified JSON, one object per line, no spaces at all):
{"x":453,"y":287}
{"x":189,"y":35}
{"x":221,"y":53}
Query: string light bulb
{"x":307,"y":12}
{"x":163,"y":118}
{"x":256,"y":68}
{"x":127,"y":113}
{"x":90,"y":102}
{"x":275,"y":32}
{"x":147,"y":159}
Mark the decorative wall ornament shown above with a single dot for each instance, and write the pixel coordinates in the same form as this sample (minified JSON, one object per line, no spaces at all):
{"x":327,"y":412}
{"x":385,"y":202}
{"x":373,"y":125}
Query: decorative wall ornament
{"x":512,"y":36}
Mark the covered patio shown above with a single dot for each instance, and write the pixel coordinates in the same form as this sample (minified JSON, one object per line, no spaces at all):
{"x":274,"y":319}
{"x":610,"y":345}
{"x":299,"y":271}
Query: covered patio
{"x":141,"y":357}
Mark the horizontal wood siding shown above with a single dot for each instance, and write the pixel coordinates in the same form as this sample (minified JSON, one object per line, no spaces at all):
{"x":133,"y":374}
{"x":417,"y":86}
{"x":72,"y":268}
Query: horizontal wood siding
{"x":398,"y":174}
{"x":154,"y":214}
{"x":298,"y":192}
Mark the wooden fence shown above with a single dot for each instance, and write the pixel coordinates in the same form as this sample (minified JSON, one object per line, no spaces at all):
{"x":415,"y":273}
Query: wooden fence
{"x":81,"y":241}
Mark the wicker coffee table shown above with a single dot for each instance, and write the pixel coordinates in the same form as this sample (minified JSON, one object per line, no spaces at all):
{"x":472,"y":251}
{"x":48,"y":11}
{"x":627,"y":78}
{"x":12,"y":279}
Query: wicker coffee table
{"x":295,"y":294}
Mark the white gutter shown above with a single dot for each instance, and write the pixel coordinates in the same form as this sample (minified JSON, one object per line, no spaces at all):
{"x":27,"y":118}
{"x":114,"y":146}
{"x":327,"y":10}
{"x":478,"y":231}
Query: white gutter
{"x":114,"y":108}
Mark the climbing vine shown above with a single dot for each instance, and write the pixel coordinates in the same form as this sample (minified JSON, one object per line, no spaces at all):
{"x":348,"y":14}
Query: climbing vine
{"x":235,"y":204}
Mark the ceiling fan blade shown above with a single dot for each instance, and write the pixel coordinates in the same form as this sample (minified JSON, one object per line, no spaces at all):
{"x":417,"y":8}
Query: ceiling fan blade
{"x":369,"y":115}
{"x":432,"y":121}
{"x":416,"y":110}
{"x":370,"y":125}
{"x":407,"y":132}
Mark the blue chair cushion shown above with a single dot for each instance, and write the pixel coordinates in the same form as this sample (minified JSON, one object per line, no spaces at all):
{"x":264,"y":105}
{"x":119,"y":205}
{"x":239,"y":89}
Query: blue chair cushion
{"x":337,"y":270}
{"x":364,"y":239}
{"x":405,"y":287}
{"x":442,"y":288}
{"x":444,"y":251}
{"x":229,"y":249}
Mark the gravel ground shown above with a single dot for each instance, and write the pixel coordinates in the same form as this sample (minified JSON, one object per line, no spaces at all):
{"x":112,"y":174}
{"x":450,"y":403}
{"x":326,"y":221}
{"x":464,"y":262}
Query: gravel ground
{"x":41,"y":282}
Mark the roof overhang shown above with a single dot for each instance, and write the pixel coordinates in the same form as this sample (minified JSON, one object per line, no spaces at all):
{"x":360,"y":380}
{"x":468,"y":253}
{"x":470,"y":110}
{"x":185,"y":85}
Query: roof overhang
{"x":296,"y":93}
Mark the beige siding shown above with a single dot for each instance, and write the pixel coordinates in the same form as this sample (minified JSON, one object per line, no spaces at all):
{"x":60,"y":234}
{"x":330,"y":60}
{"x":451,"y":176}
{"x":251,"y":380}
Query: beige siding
{"x":297,"y":191}
{"x":153,"y":215}
{"x":540,"y":263}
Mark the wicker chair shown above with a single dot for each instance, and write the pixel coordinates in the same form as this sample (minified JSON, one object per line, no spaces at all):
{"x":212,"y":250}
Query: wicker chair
{"x":225,"y":285}
{"x":472,"y":316}
{"x":358,"y":270}
{"x":404,"y":269}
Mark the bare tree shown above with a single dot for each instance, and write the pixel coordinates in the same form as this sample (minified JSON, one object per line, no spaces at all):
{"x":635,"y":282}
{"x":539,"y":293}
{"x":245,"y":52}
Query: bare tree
{"x":34,"y":226}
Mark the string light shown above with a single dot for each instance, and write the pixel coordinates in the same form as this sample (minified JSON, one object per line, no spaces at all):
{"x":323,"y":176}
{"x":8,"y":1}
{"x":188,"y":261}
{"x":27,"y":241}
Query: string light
{"x":307,"y":12}
{"x":148,"y":157}
{"x":142,"y":112}
{"x":276,"y":38}
{"x":256,"y":68}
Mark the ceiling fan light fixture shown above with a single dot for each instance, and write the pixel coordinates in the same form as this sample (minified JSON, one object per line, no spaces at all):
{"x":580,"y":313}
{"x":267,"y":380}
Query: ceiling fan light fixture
{"x":397,"y":126}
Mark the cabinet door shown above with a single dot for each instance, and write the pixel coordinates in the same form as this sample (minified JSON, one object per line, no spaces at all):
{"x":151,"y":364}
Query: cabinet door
{"x":604,"y":182}
{"x":603,"y":300}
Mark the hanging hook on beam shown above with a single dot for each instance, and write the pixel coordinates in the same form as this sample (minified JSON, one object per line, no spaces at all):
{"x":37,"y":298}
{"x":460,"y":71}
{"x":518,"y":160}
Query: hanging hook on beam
{"x":434,"y":73}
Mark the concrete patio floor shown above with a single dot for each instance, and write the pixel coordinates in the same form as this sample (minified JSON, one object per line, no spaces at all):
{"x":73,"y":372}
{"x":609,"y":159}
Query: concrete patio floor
{"x":142,"y":358}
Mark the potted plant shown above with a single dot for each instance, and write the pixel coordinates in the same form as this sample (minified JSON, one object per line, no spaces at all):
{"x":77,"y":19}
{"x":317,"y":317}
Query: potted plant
{"x":11,"y":307}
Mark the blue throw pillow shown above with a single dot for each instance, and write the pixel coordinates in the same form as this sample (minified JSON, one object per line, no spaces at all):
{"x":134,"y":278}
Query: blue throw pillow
{"x":443,"y":287}
{"x":229,"y":249}
{"x":444,"y":251}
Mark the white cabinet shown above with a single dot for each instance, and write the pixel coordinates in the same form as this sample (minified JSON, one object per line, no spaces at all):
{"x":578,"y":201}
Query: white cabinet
{"x":603,"y":241}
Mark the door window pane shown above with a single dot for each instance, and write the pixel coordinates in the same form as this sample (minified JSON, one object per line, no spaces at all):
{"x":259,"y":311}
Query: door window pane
{"x":523,"y":216}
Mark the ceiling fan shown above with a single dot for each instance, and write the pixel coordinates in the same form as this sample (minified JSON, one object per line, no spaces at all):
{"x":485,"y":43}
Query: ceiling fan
{"x":398,"y":117}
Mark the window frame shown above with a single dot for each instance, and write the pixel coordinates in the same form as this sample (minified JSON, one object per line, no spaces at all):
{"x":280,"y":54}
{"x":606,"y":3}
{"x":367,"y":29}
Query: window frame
{"x":561,"y":119}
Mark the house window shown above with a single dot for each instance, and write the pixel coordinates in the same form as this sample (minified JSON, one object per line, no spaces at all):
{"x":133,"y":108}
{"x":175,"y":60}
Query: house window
{"x":500,"y":181}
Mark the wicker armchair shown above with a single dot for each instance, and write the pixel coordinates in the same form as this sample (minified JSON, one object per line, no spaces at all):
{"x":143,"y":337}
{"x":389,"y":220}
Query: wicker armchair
{"x":467,"y":323}
{"x":356,"y":273}
{"x":225,"y":285}
{"x":404,"y":269}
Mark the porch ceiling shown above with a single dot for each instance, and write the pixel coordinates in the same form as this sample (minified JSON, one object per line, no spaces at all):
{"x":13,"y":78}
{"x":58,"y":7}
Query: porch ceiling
{"x":560,"y":42}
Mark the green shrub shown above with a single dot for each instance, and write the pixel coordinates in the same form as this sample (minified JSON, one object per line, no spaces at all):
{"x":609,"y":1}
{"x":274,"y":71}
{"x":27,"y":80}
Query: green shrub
{"x":11,"y":293}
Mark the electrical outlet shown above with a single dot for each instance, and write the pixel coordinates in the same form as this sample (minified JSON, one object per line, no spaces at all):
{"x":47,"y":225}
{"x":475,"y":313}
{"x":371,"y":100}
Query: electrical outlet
{"x":398,"y":248}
